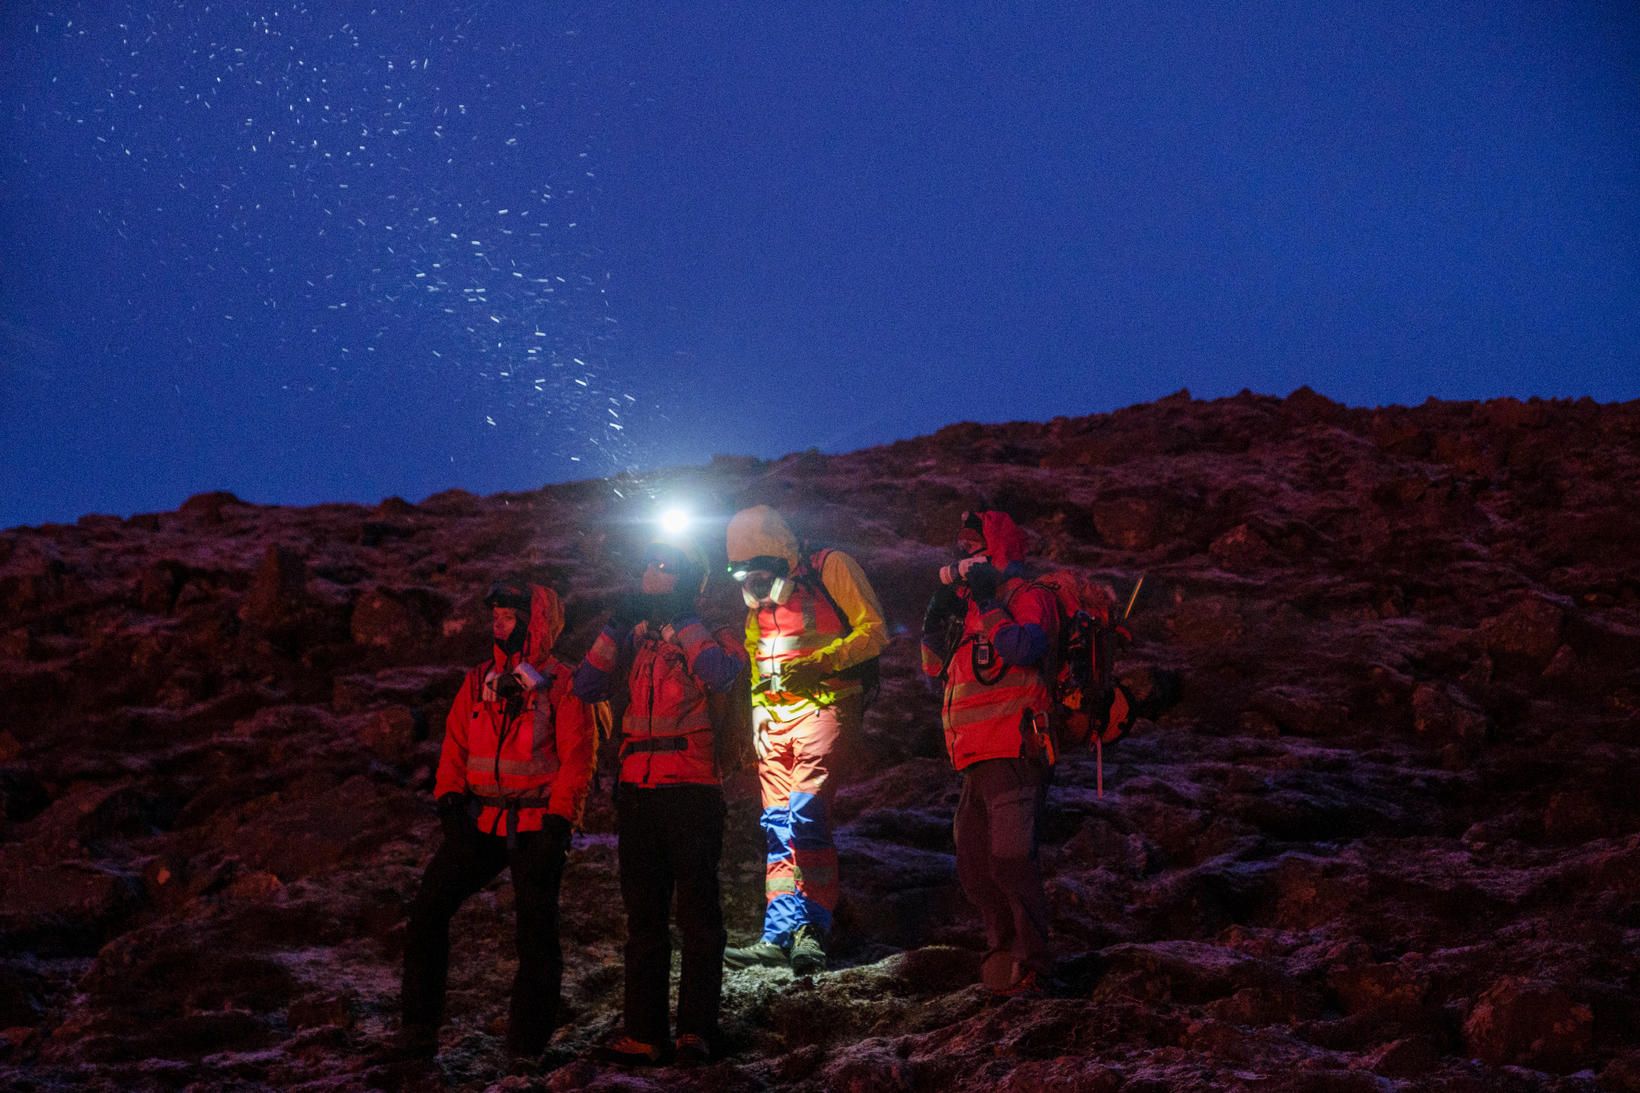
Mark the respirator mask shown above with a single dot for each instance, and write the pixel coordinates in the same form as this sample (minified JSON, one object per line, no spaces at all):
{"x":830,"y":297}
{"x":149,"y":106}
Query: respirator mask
{"x":763,"y":580}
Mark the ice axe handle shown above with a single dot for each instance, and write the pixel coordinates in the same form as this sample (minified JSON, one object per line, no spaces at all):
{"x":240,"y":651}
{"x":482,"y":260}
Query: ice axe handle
{"x":1133,"y":597}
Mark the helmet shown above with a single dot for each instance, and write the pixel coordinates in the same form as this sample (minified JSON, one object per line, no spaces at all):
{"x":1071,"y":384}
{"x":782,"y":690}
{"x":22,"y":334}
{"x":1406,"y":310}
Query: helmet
{"x":509,"y":593}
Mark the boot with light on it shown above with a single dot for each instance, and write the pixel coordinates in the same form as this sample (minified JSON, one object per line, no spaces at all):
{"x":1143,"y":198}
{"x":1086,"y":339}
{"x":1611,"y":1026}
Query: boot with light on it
{"x":759,"y":954}
{"x":631,"y":1051}
{"x":691,"y":1050}
{"x":808,"y":955}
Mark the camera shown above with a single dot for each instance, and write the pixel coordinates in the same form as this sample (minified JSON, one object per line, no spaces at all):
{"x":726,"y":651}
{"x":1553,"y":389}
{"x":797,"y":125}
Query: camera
{"x":957,"y":572}
{"x":509,"y":688}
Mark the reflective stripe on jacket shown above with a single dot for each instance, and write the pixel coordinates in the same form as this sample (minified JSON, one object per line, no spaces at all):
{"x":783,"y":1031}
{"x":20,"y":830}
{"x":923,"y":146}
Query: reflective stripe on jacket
{"x":988,"y":699}
{"x":541,"y":748}
{"x":807,"y":625}
{"x":777,"y":634}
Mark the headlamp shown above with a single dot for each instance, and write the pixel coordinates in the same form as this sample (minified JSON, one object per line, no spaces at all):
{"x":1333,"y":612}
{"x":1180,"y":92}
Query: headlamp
{"x":674,"y":521}
{"x":774,"y":567}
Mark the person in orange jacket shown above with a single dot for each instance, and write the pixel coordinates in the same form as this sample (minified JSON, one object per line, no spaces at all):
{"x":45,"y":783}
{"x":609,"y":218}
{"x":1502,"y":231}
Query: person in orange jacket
{"x":513,"y":775}
{"x":669,"y":803}
{"x":997,"y":701}
{"x":812,"y":619}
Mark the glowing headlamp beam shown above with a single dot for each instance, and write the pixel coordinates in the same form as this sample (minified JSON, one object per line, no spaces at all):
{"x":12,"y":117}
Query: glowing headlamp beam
{"x":674,"y":521}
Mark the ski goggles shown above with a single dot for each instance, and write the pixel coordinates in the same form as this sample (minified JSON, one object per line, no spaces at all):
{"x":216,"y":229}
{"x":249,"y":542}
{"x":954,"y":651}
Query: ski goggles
{"x":763,"y":564}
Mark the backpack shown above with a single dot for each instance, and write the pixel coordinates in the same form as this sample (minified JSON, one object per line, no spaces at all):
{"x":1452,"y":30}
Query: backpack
{"x":867,"y":672}
{"x":1093,"y":709}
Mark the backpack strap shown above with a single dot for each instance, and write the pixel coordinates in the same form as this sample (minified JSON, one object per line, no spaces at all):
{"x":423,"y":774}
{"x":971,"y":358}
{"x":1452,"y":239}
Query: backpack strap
{"x":1050,"y":662}
{"x":817,"y":567}
{"x":817,"y":564}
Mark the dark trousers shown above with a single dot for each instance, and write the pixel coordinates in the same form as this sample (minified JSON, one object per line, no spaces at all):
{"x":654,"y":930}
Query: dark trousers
{"x":459,"y":868}
{"x":671,"y":837}
{"x":996,"y":834}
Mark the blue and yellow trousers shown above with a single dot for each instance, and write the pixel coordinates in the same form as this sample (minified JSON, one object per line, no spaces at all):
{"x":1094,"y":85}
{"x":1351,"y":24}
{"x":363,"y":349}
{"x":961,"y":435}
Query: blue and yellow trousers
{"x":796,"y":773}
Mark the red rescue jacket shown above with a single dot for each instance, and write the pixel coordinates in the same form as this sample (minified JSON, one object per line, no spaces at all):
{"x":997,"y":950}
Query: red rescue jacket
{"x":987,"y":706}
{"x":806,"y":623}
{"x":988,"y":702}
{"x":539,"y":749}
{"x":666,"y":732}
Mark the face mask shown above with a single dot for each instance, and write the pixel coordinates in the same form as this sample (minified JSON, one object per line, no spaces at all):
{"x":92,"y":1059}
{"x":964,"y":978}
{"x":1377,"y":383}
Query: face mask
{"x":760,"y":589}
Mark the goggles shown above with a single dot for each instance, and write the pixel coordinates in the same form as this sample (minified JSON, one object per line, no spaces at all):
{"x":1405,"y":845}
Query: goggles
{"x":769,"y":566}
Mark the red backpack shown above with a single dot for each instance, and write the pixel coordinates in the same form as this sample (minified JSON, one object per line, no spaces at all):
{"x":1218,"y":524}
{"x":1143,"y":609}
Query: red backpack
{"x":1093,"y":708}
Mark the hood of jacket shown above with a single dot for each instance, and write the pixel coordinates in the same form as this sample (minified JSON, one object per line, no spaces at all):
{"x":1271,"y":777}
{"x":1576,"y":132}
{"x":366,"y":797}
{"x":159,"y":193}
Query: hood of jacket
{"x":1004,"y":541}
{"x":546,"y":622}
{"x":760,"y":532}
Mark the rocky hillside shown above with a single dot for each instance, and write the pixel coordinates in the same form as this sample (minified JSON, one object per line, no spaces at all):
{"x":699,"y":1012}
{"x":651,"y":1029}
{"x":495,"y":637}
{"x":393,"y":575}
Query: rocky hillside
{"x":1378,"y":828}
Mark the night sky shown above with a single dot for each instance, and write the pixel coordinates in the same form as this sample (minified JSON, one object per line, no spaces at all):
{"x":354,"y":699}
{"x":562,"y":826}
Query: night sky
{"x":336,"y":252}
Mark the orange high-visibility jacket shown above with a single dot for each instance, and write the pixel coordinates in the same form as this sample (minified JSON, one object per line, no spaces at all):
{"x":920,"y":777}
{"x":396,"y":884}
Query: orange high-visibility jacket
{"x":666,"y":732}
{"x":542,"y":749}
{"x":986,"y":707}
{"x":806,"y":626}
{"x":778,"y":634}
{"x":988,"y":701}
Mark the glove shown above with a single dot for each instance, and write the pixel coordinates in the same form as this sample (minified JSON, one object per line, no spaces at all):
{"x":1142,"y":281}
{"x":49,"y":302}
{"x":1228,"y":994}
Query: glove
{"x":803,"y":676}
{"x":557,"y":828}
{"x":628,"y":611}
{"x":983,"y":581}
{"x":453,"y":818}
{"x":942,"y":605}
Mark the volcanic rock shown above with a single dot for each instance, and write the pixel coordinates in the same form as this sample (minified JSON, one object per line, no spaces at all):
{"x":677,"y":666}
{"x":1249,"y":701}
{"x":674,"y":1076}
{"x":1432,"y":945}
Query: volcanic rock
{"x":278,"y":589}
{"x":1527,"y":634}
{"x":1528,"y":1023}
{"x":398,"y":621}
{"x":1373,"y":828}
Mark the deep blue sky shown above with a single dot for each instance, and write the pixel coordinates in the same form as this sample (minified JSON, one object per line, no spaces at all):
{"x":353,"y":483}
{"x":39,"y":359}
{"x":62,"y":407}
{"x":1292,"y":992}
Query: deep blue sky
{"x":337,"y":252}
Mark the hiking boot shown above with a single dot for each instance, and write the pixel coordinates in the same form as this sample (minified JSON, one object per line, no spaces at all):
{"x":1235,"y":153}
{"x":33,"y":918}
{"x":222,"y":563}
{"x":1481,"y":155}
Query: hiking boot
{"x":759,"y":954}
{"x":1029,"y":985}
{"x":630,"y":1051}
{"x":691,"y":1050}
{"x":808,"y":955}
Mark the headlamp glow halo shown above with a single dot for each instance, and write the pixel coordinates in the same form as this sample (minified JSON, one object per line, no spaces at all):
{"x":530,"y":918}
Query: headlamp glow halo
{"x":674,"y":521}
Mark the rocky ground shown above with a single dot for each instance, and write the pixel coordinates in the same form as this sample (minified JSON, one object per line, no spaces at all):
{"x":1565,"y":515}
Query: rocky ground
{"x":1378,"y":828}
